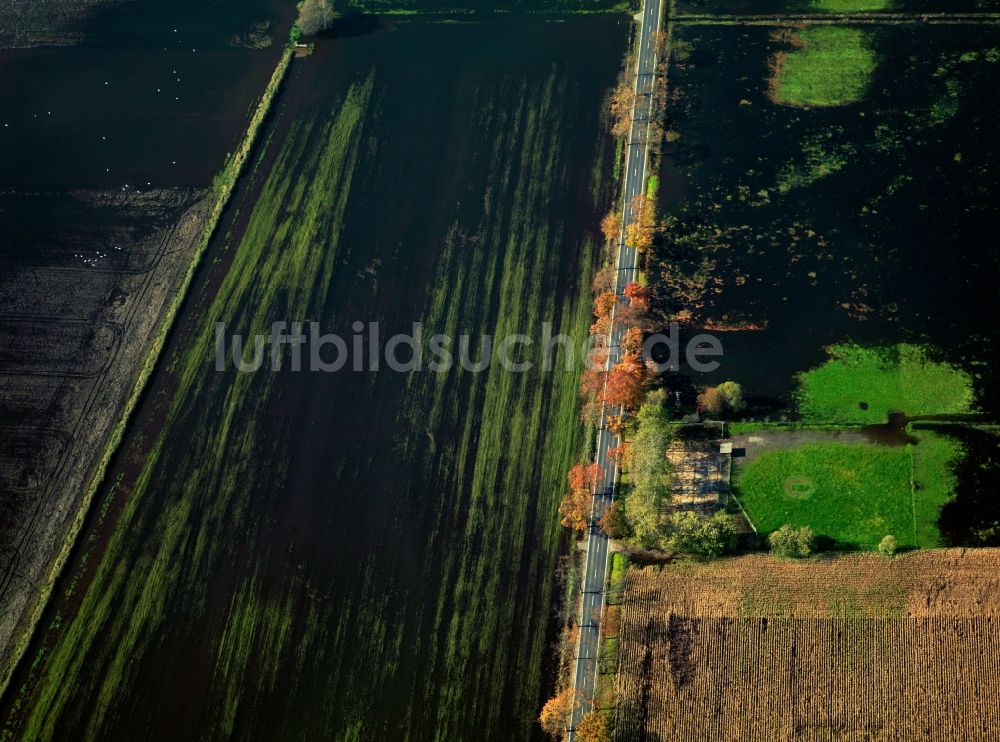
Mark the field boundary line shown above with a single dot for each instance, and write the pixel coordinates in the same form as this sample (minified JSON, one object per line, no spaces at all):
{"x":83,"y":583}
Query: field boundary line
{"x":743,"y":510}
{"x":913,"y":495}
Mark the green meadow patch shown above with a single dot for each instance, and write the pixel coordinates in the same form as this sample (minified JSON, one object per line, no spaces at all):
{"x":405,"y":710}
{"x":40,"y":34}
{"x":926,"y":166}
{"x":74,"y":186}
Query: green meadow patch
{"x":851,"y":494}
{"x":863,"y":385}
{"x":826,"y":66}
{"x":850,"y":6}
{"x":934,"y":459}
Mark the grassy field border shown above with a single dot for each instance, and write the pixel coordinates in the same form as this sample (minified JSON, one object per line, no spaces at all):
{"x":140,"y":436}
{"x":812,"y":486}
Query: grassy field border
{"x":224,"y":184}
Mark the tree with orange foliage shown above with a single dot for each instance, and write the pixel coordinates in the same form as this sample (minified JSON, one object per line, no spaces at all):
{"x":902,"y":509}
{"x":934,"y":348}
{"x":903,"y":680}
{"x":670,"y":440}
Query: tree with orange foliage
{"x":601,"y":327}
{"x":585,"y":477}
{"x":638,"y":296}
{"x":616,"y":424}
{"x":631,"y":342}
{"x":577,"y":504}
{"x":576,"y":507}
{"x":556,"y":711}
{"x":625,"y":382}
{"x":632,"y":363}
{"x":611,"y":225}
{"x":593,"y":727}
{"x":604,"y":303}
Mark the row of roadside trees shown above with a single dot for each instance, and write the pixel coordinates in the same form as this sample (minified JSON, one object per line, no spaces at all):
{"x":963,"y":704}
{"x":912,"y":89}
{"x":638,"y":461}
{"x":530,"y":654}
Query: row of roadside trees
{"x":623,"y":389}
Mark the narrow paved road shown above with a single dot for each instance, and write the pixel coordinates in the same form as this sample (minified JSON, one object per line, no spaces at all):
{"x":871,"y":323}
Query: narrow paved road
{"x":596,"y":568}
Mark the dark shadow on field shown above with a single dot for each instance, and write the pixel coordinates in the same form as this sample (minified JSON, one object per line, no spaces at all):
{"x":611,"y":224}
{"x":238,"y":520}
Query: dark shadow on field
{"x":972,"y":518}
{"x":350,"y":25}
{"x":762,"y":405}
{"x":827,"y":544}
{"x":698,"y":432}
{"x":681,"y":392}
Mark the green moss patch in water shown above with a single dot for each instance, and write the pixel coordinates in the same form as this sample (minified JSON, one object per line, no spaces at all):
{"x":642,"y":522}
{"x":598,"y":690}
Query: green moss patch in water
{"x":823,"y":154}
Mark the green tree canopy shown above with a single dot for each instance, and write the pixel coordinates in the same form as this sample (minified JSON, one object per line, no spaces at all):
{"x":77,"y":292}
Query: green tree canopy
{"x":649,"y":474}
{"x":702,"y":536}
{"x":795,"y":542}
{"x":732,"y":395}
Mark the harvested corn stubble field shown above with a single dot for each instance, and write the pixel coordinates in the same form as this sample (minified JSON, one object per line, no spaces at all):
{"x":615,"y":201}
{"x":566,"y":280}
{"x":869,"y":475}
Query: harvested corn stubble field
{"x":847,"y":647}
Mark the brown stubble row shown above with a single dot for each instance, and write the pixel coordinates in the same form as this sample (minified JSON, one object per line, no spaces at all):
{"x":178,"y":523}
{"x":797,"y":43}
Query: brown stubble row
{"x":952,"y":582}
{"x":928,"y":672}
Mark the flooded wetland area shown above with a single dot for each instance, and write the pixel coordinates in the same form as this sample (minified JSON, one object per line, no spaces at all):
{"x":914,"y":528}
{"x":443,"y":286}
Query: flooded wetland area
{"x":828,"y":192}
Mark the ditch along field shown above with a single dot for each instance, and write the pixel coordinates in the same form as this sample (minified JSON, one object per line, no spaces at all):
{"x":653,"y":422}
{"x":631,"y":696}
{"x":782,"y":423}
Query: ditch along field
{"x":848,"y":647}
{"x":356,"y":555}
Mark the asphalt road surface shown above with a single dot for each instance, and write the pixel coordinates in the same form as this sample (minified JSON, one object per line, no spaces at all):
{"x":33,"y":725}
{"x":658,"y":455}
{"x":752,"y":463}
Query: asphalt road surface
{"x":595,"y":575}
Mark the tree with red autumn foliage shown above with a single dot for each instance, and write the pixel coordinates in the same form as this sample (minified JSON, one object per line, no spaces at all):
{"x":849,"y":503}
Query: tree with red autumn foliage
{"x":592,"y":382}
{"x":585,"y":477}
{"x":627,"y":315}
{"x":638,"y":296}
{"x":625,"y":383}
